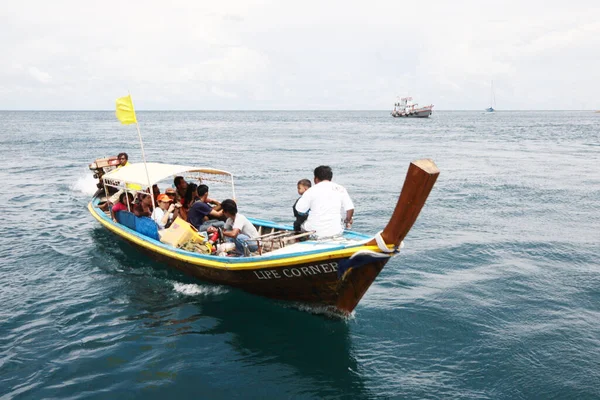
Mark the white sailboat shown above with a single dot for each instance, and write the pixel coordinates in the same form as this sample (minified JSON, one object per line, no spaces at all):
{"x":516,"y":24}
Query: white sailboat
{"x":492,"y":106}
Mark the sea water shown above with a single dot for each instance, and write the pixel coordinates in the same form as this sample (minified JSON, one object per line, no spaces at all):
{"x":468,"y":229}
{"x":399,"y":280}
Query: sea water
{"x":496,"y":293}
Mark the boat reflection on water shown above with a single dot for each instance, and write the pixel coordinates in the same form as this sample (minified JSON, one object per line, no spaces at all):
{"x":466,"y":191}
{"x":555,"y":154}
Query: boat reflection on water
{"x":319,"y":350}
{"x":222,"y":330}
{"x":292,"y":345}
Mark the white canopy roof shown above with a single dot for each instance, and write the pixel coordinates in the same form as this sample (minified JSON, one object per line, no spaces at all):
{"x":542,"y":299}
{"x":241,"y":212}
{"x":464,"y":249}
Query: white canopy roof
{"x":136,"y":173}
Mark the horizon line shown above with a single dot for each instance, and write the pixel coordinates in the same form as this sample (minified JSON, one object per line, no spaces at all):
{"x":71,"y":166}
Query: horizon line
{"x":281,"y":110}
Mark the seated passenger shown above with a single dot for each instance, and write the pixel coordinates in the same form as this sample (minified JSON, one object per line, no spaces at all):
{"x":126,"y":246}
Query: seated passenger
{"x":155,"y":193}
{"x":180,"y":186}
{"x":238,"y":228}
{"x":166,"y":211}
{"x":172,"y":194}
{"x":114,"y":198}
{"x":123,"y":162}
{"x":143,"y":208}
{"x":191,"y":194}
{"x":125,"y":203}
{"x":325,"y":200}
{"x":201,"y":215}
{"x":303,"y":185}
{"x":186,"y":201}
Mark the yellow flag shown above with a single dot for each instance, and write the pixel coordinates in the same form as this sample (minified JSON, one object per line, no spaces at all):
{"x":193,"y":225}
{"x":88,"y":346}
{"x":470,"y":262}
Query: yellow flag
{"x":125,"y":112}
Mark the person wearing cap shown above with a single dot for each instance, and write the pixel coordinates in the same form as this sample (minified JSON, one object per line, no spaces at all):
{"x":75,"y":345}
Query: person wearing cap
{"x":166,"y":211}
{"x":172,"y":194}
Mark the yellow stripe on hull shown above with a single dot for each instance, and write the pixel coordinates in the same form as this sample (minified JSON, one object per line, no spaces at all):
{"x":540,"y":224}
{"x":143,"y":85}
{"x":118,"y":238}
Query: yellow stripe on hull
{"x":281,"y":261}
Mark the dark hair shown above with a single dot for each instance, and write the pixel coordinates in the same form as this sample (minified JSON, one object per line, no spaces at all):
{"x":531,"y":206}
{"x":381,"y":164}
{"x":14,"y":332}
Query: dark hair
{"x":122,"y":196}
{"x":304,"y":182}
{"x":189,"y":193}
{"x":323,"y":173}
{"x":229,"y":206}
{"x":123,"y":155}
{"x":177,"y":180}
{"x":202,"y":190}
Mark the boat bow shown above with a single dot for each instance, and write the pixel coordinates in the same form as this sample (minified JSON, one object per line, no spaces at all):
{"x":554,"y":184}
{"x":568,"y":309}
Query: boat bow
{"x":420,"y":178}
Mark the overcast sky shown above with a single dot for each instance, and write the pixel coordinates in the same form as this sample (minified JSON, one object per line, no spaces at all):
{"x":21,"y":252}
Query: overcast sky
{"x":302,"y":55}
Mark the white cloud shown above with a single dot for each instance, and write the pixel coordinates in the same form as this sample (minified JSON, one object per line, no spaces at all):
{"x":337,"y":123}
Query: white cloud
{"x":222,"y":93}
{"x":303,"y":55}
{"x":40,"y":76}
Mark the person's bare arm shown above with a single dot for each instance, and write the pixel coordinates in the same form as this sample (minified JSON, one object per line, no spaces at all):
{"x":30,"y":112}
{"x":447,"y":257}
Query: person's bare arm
{"x":165,"y":218}
{"x":349,"y":221}
{"x":215,"y":203}
{"x":216,"y":214}
{"x":232,"y":233}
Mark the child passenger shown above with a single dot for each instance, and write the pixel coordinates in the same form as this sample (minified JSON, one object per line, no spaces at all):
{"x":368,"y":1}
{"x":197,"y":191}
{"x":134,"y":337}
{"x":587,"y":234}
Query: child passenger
{"x":303,"y":186}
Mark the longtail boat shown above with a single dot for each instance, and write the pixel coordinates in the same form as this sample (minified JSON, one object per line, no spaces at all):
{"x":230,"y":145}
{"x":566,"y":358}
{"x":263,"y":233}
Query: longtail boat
{"x":333,"y":273}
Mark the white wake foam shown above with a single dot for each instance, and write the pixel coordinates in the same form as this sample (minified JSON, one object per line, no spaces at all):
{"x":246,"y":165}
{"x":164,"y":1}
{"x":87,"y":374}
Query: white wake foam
{"x":192,"y":289}
{"x":85,"y":185}
{"x":323,"y":310}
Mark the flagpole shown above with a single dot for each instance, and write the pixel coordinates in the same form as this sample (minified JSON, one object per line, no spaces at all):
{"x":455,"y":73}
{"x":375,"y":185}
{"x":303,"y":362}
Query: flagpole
{"x":137,"y":125}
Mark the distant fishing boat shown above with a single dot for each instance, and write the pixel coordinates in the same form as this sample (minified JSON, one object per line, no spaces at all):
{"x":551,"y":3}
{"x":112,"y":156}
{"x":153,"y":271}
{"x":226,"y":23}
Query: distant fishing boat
{"x":491,"y":108}
{"x":407,"y":108}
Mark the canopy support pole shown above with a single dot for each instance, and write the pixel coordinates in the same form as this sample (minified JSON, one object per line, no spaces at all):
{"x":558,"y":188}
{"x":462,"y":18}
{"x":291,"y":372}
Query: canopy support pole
{"x":137,"y":125}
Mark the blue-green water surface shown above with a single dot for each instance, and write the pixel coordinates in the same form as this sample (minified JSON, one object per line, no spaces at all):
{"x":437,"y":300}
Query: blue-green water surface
{"x":496,"y":294}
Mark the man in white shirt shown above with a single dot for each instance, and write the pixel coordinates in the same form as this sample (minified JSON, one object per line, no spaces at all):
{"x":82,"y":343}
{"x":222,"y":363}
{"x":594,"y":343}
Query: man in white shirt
{"x":323,"y":202}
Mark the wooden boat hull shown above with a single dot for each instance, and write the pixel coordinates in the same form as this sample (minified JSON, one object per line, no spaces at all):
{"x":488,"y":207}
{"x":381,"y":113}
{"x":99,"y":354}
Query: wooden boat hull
{"x":334,"y":275}
{"x":313,"y":282}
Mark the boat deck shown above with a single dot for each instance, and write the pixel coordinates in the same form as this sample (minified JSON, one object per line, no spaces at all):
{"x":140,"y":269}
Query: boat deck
{"x":313,"y":245}
{"x":277,"y":241}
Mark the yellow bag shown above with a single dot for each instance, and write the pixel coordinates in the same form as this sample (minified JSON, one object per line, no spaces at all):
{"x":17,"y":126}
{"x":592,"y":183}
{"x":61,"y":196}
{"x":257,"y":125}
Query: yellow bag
{"x":180,"y":232}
